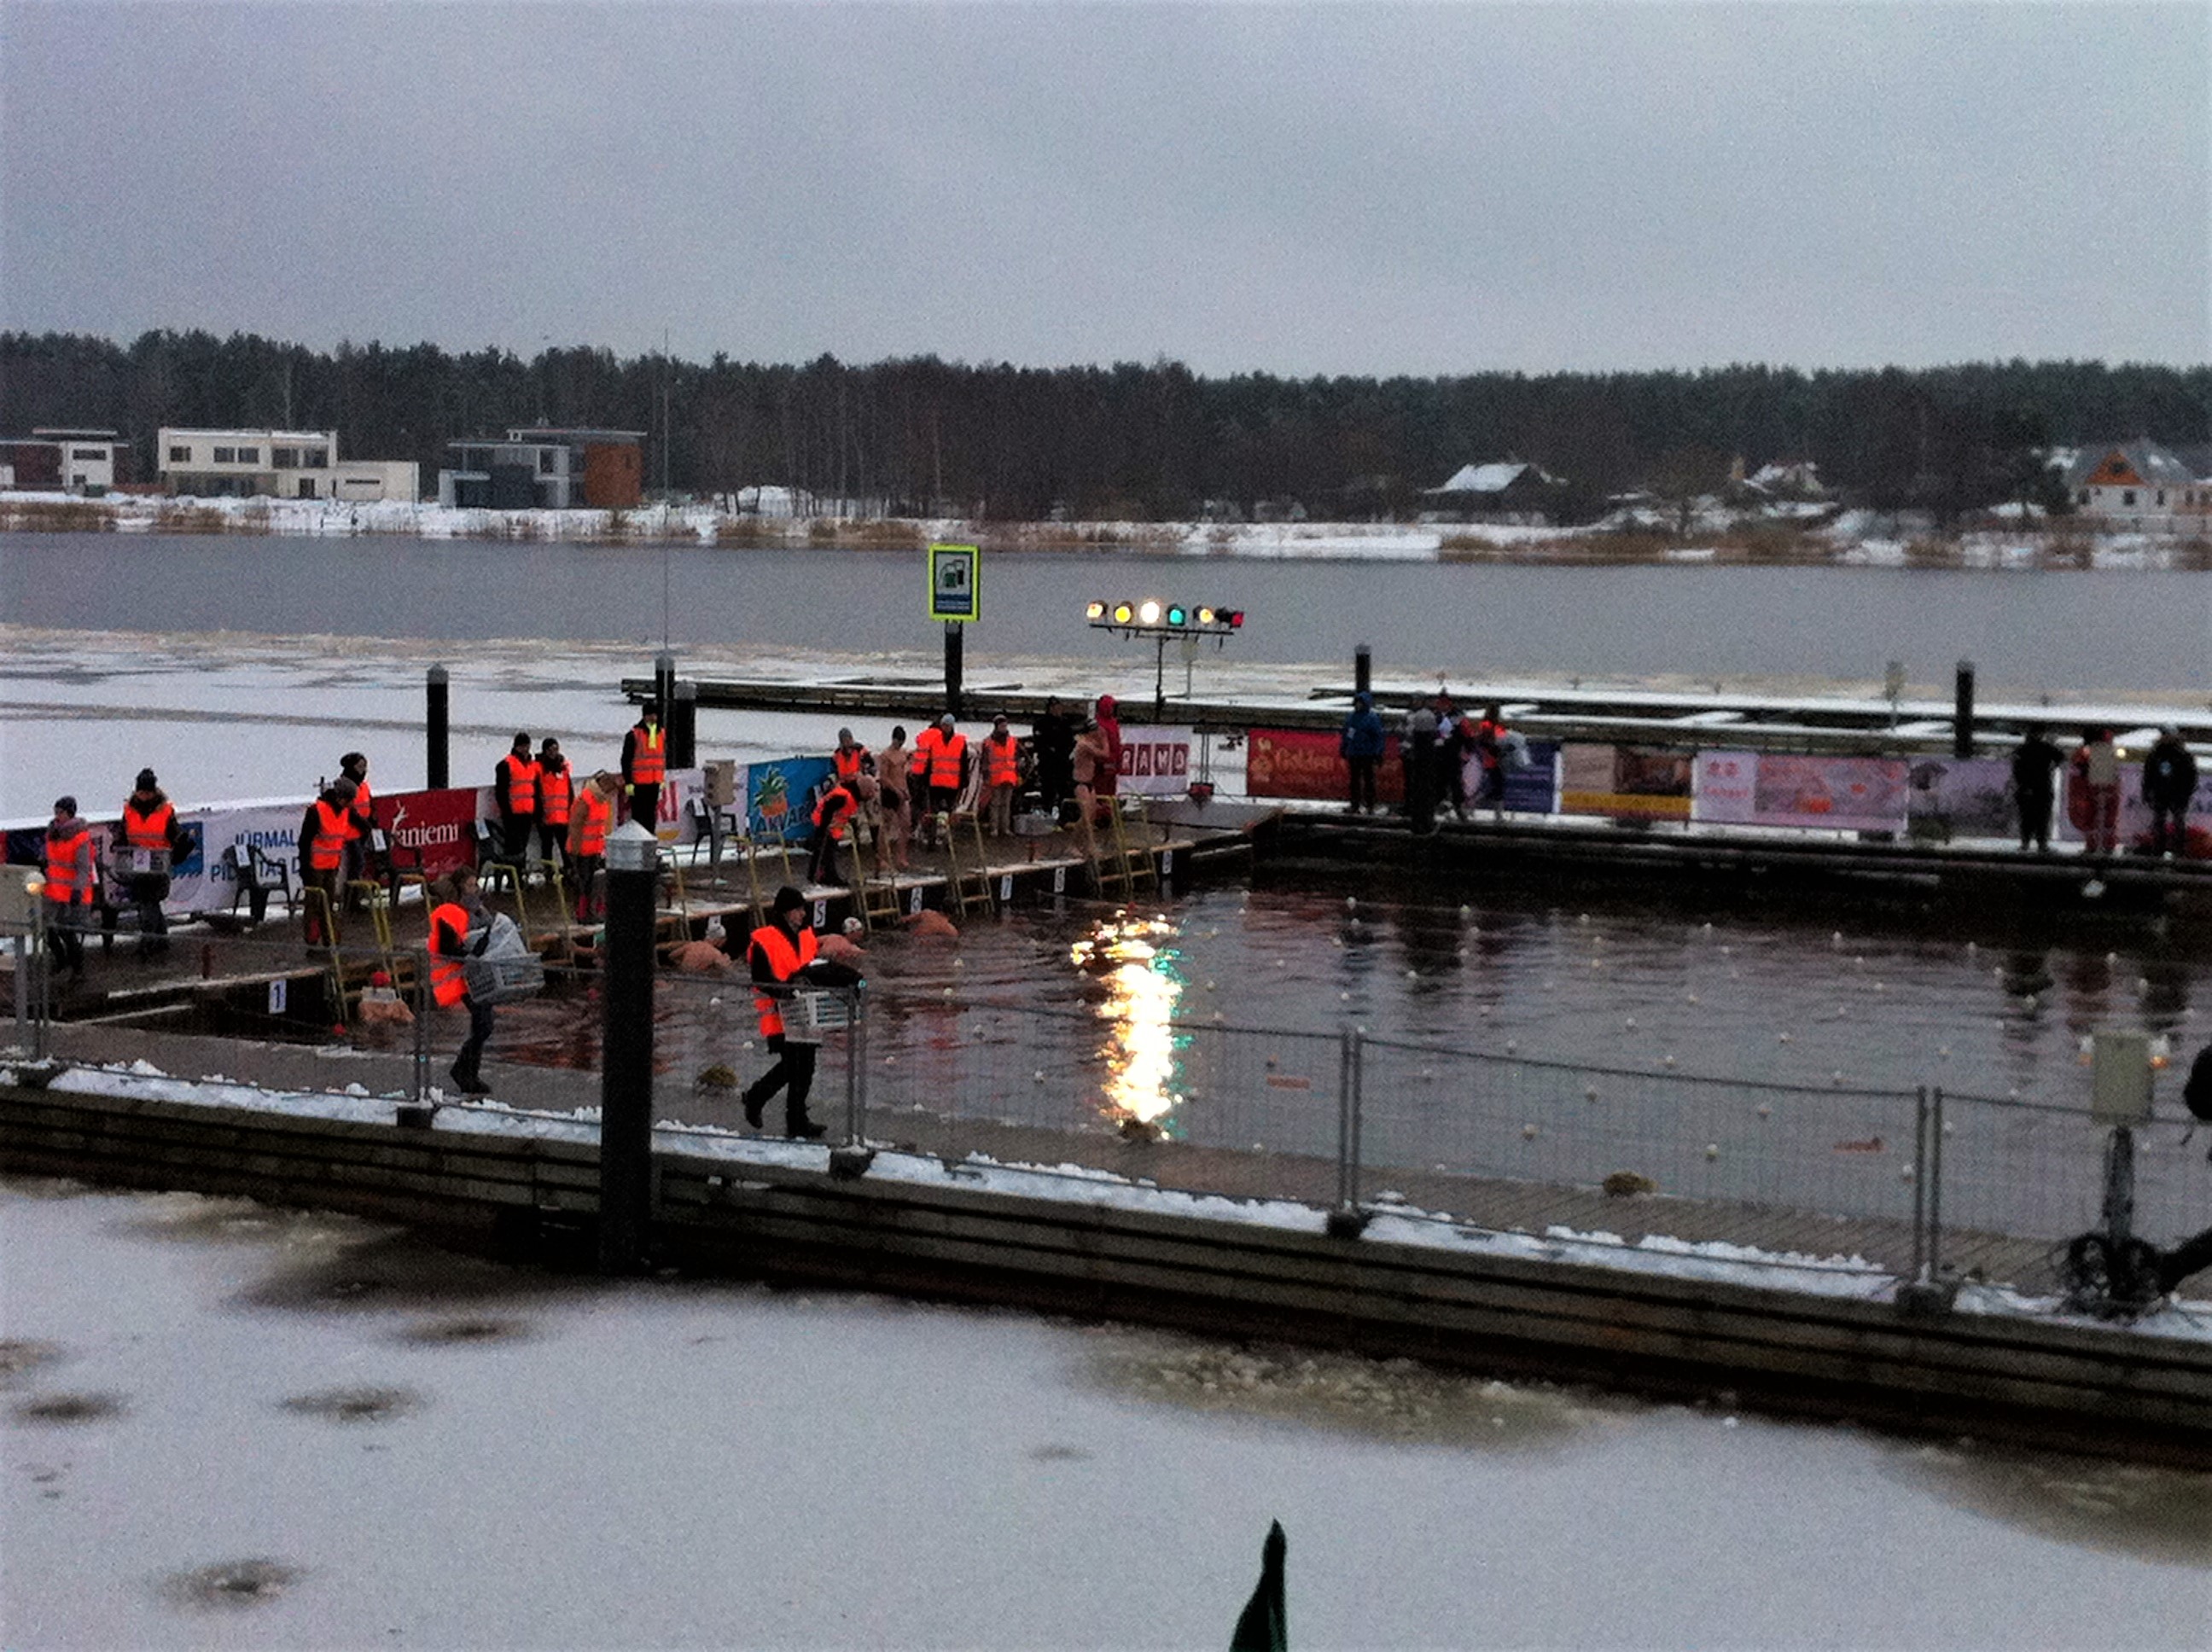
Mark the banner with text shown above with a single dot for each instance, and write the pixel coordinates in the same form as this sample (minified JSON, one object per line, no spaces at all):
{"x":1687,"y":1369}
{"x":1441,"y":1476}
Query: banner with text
{"x":1624,"y":782}
{"x":1155,"y":762}
{"x":1768,"y":788}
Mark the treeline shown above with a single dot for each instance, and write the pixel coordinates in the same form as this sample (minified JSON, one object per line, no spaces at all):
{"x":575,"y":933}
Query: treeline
{"x":922,"y":436}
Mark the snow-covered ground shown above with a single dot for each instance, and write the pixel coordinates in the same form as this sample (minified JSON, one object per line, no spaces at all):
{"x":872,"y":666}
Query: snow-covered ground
{"x":1851,"y":538}
{"x":228,"y":1425}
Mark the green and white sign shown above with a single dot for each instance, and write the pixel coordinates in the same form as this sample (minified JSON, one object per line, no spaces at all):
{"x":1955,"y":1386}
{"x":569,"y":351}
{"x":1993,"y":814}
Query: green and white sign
{"x":956,"y":582}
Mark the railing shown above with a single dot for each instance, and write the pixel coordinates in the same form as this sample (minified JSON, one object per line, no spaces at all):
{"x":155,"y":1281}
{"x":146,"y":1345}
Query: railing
{"x":1911,"y":1184}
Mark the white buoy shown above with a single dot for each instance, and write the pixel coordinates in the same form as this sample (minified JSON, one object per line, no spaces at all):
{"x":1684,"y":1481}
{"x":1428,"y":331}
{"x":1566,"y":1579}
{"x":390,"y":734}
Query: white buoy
{"x":1783,"y":1038}
{"x":1589,"y":1092}
{"x":1666,"y":1060}
{"x":1351,"y":903}
{"x":1629,"y":1025}
{"x":1511,"y":1045}
{"x":1712,"y":1150}
{"x":1764,"y":1111}
{"x":1527,"y":1133}
{"x":1467,"y":912}
{"x":1037,"y":1077}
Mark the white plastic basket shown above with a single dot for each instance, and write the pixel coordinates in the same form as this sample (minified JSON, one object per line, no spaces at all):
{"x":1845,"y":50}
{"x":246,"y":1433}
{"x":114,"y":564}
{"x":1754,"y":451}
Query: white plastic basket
{"x":504,"y":980}
{"x":809,"y":1013}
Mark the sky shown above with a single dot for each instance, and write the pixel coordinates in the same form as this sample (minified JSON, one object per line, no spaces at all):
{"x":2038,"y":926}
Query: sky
{"x":1344,"y":188}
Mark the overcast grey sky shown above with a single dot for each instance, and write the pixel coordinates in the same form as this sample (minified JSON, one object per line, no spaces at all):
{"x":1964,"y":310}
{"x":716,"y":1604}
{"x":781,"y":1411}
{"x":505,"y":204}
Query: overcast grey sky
{"x":1346,"y":188}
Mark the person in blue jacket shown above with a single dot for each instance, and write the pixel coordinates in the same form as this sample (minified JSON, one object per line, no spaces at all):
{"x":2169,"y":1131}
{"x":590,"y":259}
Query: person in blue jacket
{"x":1361,"y":743}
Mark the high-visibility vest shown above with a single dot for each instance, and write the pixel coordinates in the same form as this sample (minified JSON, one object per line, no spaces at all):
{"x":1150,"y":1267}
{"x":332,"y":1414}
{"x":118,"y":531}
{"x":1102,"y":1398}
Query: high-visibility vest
{"x":332,"y":832}
{"x":69,"y":880}
{"x":449,"y":930}
{"x":847,"y":763}
{"x":839,"y":804}
{"x":944,"y":762}
{"x":364,"y":806}
{"x":148,"y":829}
{"x":925,"y":751}
{"x":999,"y":764}
{"x":522,"y":784}
{"x":649,"y":763}
{"x":784,"y":960}
{"x":594,"y":814}
{"x":554,"y":787}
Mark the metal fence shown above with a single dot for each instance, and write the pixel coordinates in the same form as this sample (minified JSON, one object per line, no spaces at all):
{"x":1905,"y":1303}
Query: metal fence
{"x":1916,"y":1183}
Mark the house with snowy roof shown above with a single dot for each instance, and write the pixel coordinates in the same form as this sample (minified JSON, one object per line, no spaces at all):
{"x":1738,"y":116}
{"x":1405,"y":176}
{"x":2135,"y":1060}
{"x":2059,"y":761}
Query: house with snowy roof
{"x":1501,"y":491}
{"x":2138,"y":484}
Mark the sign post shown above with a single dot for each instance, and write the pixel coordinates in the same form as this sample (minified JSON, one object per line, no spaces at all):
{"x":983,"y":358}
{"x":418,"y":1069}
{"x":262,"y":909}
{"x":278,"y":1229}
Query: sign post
{"x":956,"y":596}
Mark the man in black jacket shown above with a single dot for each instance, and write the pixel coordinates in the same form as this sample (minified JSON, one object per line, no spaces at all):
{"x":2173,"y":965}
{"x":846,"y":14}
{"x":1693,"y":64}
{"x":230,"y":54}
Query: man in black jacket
{"x":1054,"y":736}
{"x":2035,"y":762}
{"x":2169,"y":781}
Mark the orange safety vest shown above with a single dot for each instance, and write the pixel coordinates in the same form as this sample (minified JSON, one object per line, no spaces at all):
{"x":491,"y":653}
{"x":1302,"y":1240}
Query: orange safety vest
{"x":595,"y":813}
{"x":148,"y":831}
{"x":1001,"y":767}
{"x":784,"y":960}
{"x":69,"y":883}
{"x":847,"y":763}
{"x":925,"y":749}
{"x":522,"y":784}
{"x":840,"y":804}
{"x":333,"y":831}
{"x":649,"y":756}
{"x":364,"y":804}
{"x":447,"y":985}
{"x":554,"y":788}
{"x":944,"y":762}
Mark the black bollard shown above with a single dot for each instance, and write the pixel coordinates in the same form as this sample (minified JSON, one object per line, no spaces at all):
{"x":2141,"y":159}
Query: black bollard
{"x":663,"y":685}
{"x":1363,"y":670}
{"x":684,"y":726}
{"x":436,"y":764}
{"x":1962,"y":713}
{"x":626,"y":1050}
{"x":952,"y":667}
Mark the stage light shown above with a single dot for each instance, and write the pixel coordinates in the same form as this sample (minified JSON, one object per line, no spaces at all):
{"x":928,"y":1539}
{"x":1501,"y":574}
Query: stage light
{"x":1123,"y":613}
{"x":1205,"y":616}
{"x":1175,"y":615}
{"x":1236,"y":618}
{"x":1095,"y":612}
{"x":1150,"y":613}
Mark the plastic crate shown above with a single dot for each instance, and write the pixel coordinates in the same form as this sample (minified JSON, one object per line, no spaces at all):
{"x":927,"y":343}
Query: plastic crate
{"x":810,"y":1014}
{"x":504,"y":980}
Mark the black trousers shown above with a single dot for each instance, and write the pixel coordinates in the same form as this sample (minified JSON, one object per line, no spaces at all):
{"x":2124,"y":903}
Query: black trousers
{"x":822,"y":855}
{"x":794,"y":1067}
{"x":645,"y":806}
{"x":515,"y":837}
{"x":2035,"y":820}
{"x":553,"y":843}
{"x":471,"y":1056}
{"x":1362,"y":784}
{"x":2169,"y":827}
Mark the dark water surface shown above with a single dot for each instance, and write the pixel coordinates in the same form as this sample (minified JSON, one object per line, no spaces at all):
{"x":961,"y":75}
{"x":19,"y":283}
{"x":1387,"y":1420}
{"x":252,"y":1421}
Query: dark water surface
{"x":2067,"y":634}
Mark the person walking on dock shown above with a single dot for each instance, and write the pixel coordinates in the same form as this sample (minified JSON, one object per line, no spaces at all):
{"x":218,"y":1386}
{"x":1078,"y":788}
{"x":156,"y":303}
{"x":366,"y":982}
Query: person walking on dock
{"x":2169,"y":781}
{"x":325,"y":831}
{"x":588,"y":824}
{"x":1361,"y":745}
{"x":834,"y":810}
{"x":1002,"y":772}
{"x":2036,"y":761}
{"x":556,"y":802}
{"x":515,"y":788}
{"x":457,"y":910}
{"x":147,"y":840}
{"x":2094,"y":802}
{"x":72,"y":869}
{"x":1054,"y":737}
{"x":894,"y":767}
{"x":780,"y":950}
{"x":644,"y":766}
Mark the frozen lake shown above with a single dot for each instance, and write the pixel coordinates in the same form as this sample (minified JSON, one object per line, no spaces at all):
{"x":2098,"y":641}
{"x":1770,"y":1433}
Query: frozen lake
{"x":416,"y":1450}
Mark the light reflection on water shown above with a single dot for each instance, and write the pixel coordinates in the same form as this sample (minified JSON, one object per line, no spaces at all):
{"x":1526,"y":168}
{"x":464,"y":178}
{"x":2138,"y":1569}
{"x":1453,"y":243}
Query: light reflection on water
{"x":1132,"y":956}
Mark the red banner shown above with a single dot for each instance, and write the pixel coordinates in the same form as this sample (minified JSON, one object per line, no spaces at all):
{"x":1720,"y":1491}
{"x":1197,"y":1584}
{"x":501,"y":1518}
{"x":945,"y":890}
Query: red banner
{"x":1296,"y":762}
{"x":440,"y":827}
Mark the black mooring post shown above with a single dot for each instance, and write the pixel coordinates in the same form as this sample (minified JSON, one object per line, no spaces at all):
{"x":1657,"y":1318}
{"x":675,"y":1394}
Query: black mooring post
{"x":663,"y":686}
{"x":684,"y":726}
{"x":437,"y":767}
{"x":952,"y":664}
{"x":626,"y":1050}
{"x":1363,"y":670}
{"x":1962,"y":713}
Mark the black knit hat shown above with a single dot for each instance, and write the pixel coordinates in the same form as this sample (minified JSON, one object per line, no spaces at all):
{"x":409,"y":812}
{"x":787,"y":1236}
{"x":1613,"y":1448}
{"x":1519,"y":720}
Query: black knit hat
{"x":788,"y":899}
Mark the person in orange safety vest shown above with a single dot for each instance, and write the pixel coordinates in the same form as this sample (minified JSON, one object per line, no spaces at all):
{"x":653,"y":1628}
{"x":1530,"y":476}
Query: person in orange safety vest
{"x":588,"y":824}
{"x":1002,"y":773}
{"x":147,"y":838}
{"x":72,"y":872}
{"x":325,"y":831}
{"x":556,"y":784}
{"x":644,"y":766}
{"x":779,"y":950}
{"x":515,"y":788}
{"x":456,"y":911}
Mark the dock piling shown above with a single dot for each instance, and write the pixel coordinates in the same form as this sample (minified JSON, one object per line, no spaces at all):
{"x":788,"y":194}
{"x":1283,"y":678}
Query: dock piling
{"x":626,"y":1050}
{"x":436,"y":765}
{"x":1962,"y":713}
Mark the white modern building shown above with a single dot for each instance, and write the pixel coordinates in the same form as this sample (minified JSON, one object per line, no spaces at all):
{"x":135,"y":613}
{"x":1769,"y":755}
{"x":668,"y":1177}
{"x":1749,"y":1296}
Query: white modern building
{"x":2138,"y":484}
{"x":277,"y":464}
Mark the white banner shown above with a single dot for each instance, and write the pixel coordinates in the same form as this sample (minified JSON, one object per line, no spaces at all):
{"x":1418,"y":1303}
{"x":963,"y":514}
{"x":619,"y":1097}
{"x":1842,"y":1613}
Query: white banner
{"x":1155,"y":762}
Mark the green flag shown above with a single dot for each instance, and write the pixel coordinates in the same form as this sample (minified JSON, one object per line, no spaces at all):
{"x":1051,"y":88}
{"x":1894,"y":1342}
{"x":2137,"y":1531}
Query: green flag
{"x":1265,"y":1625}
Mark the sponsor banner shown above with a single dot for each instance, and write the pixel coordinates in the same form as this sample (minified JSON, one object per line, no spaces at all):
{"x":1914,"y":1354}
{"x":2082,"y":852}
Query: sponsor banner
{"x":1155,"y":762}
{"x":780,"y":797}
{"x":1535,"y":790}
{"x":437,"y":828}
{"x":1949,"y":799}
{"x":1624,"y":782}
{"x":209,"y":883}
{"x":1300,"y":762}
{"x":1744,"y":788}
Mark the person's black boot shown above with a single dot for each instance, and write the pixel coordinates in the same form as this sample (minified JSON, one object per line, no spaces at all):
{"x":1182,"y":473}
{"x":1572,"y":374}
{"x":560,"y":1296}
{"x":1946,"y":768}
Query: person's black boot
{"x":799,"y":1127}
{"x":755,"y":1102}
{"x":466,"y":1080}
